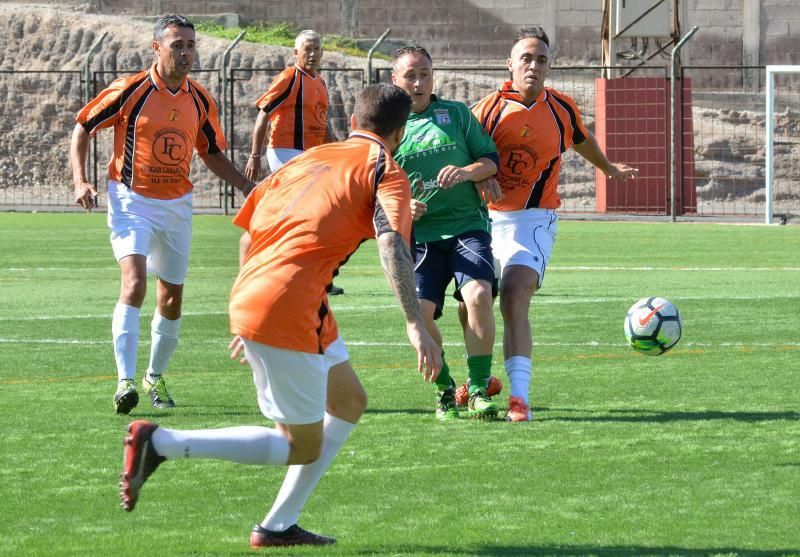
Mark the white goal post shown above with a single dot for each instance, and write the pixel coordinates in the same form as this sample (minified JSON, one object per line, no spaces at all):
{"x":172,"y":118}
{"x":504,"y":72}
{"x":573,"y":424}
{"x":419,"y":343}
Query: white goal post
{"x":770,"y":134}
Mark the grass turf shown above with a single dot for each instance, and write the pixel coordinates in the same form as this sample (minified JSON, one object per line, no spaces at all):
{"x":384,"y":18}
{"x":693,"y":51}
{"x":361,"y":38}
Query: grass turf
{"x":696,"y":452}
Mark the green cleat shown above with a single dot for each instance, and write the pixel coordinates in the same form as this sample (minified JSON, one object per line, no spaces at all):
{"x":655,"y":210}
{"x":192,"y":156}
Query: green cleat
{"x":446,"y":404}
{"x":126,"y":398}
{"x":158,"y":393}
{"x":481,"y":406}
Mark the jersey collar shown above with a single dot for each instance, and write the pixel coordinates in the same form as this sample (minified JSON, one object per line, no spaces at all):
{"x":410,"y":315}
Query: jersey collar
{"x":508,"y":92}
{"x":301,"y":70}
{"x":160,"y":84}
{"x":364,"y":134}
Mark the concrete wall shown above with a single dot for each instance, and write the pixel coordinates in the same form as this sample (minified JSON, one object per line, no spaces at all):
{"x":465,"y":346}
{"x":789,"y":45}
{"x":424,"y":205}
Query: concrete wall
{"x":481,"y":30}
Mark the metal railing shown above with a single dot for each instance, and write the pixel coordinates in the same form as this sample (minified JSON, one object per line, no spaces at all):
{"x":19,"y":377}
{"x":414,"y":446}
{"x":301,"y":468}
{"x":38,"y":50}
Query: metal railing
{"x":37,"y":111}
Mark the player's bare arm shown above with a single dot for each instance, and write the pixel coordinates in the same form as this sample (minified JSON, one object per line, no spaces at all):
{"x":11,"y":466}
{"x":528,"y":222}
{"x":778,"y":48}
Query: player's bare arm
{"x":489,"y":190}
{"x":85,"y":193}
{"x":481,"y":169}
{"x":253,"y":168}
{"x":236,"y":346}
{"x":590,"y":150}
{"x":399,"y":269}
{"x":220,"y":165}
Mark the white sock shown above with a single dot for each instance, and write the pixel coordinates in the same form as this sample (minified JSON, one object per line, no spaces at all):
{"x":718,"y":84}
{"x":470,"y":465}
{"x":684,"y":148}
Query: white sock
{"x":125,"y":332}
{"x":243,"y":444}
{"x":518,"y":369}
{"x":301,"y":480}
{"x":164,"y":333}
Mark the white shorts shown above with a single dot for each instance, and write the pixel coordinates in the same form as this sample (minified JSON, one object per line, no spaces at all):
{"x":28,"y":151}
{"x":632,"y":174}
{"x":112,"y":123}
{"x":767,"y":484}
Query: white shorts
{"x":292,"y":387}
{"x":159,"y":229}
{"x":523,"y":237}
{"x":278,"y":157}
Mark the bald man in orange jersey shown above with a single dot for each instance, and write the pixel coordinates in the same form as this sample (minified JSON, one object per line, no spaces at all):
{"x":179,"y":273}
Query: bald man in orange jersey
{"x":532,"y":125}
{"x":303,"y":222}
{"x":160,"y":117}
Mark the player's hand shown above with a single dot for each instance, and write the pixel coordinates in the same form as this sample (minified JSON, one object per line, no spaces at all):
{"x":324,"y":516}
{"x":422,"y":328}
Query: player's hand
{"x":429,"y":354}
{"x":86,"y":196}
{"x":248,"y":187}
{"x":418,"y":208}
{"x":253,"y":169}
{"x":451,"y":175}
{"x":489,"y":190}
{"x":236,"y":347}
{"x":622,"y":172}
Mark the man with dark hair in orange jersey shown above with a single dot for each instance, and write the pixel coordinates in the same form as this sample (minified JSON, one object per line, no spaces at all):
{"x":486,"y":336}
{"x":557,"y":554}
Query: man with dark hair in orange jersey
{"x":532,"y":125}
{"x":160,"y":117}
{"x":303,"y":221}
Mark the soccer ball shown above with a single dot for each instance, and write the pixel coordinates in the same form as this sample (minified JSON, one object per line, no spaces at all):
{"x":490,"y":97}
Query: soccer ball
{"x":653,"y":326}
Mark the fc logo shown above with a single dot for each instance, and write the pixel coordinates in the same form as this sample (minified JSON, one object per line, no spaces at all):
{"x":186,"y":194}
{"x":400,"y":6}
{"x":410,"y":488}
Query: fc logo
{"x":519,"y":158}
{"x":170,"y":147}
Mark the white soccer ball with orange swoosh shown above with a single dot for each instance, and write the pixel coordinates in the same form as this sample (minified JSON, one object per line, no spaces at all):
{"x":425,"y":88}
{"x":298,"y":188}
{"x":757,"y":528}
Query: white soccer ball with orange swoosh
{"x":653,"y":326}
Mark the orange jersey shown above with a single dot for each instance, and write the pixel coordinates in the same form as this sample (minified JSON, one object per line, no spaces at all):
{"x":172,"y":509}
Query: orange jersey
{"x":304,"y":222}
{"x":297,"y":106}
{"x":155,"y":131}
{"x":530,"y":141}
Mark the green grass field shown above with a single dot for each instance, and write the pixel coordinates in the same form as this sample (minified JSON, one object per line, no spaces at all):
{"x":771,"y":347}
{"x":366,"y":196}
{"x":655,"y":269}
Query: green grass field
{"x":696,"y":452}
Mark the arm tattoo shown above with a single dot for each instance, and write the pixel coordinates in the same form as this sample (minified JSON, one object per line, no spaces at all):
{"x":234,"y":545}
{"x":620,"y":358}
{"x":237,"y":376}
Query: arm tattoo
{"x":399,"y":270}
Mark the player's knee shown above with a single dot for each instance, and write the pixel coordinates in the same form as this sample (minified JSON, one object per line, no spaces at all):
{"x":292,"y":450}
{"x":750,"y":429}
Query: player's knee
{"x":133,"y":291}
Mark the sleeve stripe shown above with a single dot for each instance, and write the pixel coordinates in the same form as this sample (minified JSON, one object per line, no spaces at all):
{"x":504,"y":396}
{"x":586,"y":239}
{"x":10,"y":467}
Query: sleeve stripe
{"x":112,"y":109}
{"x":206,"y":128}
{"x":380,"y":170}
{"x":577,"y":134}
{"x":282,"y":97}
{"x":559,"y":123}
{"x":485,"y":122}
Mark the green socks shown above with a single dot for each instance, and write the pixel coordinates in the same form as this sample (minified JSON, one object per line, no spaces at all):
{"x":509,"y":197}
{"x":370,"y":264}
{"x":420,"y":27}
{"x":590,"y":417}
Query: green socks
{"x":480,"y":368}
{"x":444,"y":381}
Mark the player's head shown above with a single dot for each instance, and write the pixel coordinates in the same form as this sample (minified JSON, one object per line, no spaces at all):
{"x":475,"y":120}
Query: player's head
{"x":174,"y":47}
{"x":383,"y":110}
{"x":412,"y":71}
{"x":529,"y":62}
{"x":308,"y":50}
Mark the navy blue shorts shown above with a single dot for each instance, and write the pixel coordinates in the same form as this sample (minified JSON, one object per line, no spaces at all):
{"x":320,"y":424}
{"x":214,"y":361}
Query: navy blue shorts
{"x":462,"y":258}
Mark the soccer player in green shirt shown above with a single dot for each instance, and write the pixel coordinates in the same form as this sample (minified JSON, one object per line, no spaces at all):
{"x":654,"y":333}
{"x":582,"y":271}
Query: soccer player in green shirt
{"x":444,"y":151}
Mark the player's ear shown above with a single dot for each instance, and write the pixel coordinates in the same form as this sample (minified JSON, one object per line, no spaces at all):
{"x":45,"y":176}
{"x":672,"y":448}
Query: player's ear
{"x":352,"y":121}
{"x":509,"y":64}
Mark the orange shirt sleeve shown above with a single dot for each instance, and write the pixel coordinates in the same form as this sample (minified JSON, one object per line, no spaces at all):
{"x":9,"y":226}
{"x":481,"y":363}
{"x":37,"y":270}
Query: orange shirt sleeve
{"x":210,"y":137}
{"x":245,"y":214}
{"x":393,"y":203}
{"x":104,"y":110}
{"x":278,"y":91}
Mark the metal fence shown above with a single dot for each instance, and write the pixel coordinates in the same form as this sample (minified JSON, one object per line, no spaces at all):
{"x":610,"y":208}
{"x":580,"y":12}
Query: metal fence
{"x":37,"y":110}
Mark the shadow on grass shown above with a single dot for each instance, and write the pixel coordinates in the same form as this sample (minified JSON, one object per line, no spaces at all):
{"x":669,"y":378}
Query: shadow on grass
{"x":657,"y":416}
{"x":597,"y":551}
{"x":397,"y":411}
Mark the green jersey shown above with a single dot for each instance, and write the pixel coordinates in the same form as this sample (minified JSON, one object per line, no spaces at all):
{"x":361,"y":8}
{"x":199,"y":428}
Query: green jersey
{"x":445,"y":133}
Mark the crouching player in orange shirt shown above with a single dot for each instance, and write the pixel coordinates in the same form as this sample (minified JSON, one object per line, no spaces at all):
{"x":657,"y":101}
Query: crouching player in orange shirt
{"x":302,"y":223}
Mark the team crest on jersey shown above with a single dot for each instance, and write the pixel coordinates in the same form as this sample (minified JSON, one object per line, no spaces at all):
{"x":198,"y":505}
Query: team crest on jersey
{"x":525,"y":131}
{"x":173,"y":115}
{"x":442,"y":116}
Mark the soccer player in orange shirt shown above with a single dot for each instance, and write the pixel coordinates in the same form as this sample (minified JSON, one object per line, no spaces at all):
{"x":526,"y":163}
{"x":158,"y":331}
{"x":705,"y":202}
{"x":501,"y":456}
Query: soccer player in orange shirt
{"x":532,"y":125}
{"x":303,"y":222}
{"x":160,"y":117}
{"x":293,"y":112}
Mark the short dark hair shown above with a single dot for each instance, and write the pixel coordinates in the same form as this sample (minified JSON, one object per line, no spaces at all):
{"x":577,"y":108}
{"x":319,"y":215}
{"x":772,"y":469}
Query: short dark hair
{"x":382,"y":109}
{"x":403,"y":50}
{"x":168,"y":21}
{"x":533,"y":32}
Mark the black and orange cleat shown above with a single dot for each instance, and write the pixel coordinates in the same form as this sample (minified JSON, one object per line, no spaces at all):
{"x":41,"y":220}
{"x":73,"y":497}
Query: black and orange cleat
{"x":139,"y":460}
{"x":293,"y":535}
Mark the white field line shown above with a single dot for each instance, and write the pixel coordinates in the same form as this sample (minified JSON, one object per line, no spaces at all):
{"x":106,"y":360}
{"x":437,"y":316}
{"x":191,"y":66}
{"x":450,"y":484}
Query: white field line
{"x":583,"y":268}
{"x":542,"y":299}
{"x":593,"y":343}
